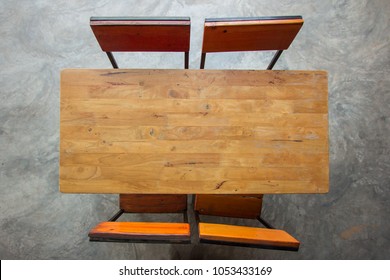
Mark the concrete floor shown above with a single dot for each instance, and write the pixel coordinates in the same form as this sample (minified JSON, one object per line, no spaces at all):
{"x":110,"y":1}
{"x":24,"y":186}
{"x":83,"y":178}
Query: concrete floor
{"x":349,"y":39}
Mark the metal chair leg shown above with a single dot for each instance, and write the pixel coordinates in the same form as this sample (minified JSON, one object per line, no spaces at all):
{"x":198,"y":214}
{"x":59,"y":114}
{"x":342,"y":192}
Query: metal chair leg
{"x":185,"y":217}
{"x":186,"y":60}
{"x":202,"y":60}
{"x":274,"y":60}
{"x":112,"y":60}
{"x":265,"y":223}
{"x":116,"y":216}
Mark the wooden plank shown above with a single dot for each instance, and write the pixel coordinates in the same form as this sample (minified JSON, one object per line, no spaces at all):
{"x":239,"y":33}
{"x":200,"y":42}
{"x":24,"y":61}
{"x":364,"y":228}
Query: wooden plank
{"x":247,"y":235}
{"x":195,"y":119}
{"x":260,"y":92}
{"x":202,"y":186}
{"x":203,"y":80}
{"x":190,"y":173}
{"x":121,"y":108}
{"x":225,"y":205}
{"x":175,"y":131}
{"x":147,"y":133}
{"x":191,"y":146}
{"x":147,"y":203}
{"x":266,"y":159}
{"x":141,"y":230}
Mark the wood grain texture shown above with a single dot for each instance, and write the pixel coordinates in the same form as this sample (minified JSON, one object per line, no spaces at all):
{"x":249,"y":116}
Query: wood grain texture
{"x":225,"y":205}
{"x":193,"y":131}
{"x":247,"y":235}
{"x":256,"y":35}
{"x":146,"y":35}
{"x":141,"y":231}
{"x":153,"y":203}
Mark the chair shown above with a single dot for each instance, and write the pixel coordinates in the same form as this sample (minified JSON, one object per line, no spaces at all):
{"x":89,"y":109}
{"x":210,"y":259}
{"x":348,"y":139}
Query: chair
{"x":250,"y":34}
{"x":150,"y":34}
{"x":239,"y":206}
{"x":151,"y":232}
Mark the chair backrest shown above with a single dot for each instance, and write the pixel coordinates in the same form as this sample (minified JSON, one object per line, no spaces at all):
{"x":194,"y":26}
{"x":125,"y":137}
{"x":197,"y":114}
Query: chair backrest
{"x":150,"y":34}
{"x":249,"y":34}
{"x":236,"y":206}
{"x":153,"y":203}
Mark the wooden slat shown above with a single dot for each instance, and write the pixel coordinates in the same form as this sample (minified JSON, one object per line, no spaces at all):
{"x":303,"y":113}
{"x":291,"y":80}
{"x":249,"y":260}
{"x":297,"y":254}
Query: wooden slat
{"x":192,"y":146}
{"x":121,"y":108}
{"x":133,"y":160}
{"x":174,"y":132}
{"x":191,"y":173}
{"x":110,"y":81}
{"x":247,"y":235}
{"x":196,"y":119}
{"x":141,"y":231}
{"x":152,"y":203}
{"x":238,"y":206}
{"x":178,"y":92}
{"x":202,"y":185}
{"x":162,"y":36}
{"x":145,"y":133}
{"x":250,"y":35}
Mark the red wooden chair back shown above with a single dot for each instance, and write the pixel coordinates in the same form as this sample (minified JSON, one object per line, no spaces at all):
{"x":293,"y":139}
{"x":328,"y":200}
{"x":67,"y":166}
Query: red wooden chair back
{"x":249,"y":34}
{"x":130,"y":34}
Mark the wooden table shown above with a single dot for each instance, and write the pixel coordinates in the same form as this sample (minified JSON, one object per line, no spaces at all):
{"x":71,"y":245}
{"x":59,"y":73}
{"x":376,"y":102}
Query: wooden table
{"x":193,"y":131}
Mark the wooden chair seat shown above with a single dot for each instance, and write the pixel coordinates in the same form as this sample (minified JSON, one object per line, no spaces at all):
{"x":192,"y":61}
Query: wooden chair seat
{"x":141,"y":231}
{"x":250,"y":236}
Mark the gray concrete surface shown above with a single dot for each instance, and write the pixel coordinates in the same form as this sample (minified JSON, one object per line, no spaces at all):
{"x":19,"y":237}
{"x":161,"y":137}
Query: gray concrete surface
{"x":349,"y":39}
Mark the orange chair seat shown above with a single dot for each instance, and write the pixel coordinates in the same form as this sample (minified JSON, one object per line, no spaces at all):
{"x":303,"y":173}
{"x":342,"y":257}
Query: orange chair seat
{"x":262,"y":237}
{"x":179,"y":232}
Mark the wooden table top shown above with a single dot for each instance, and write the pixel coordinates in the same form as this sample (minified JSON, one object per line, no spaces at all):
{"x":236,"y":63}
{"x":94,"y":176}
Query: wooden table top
{"x":193,"y":131}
